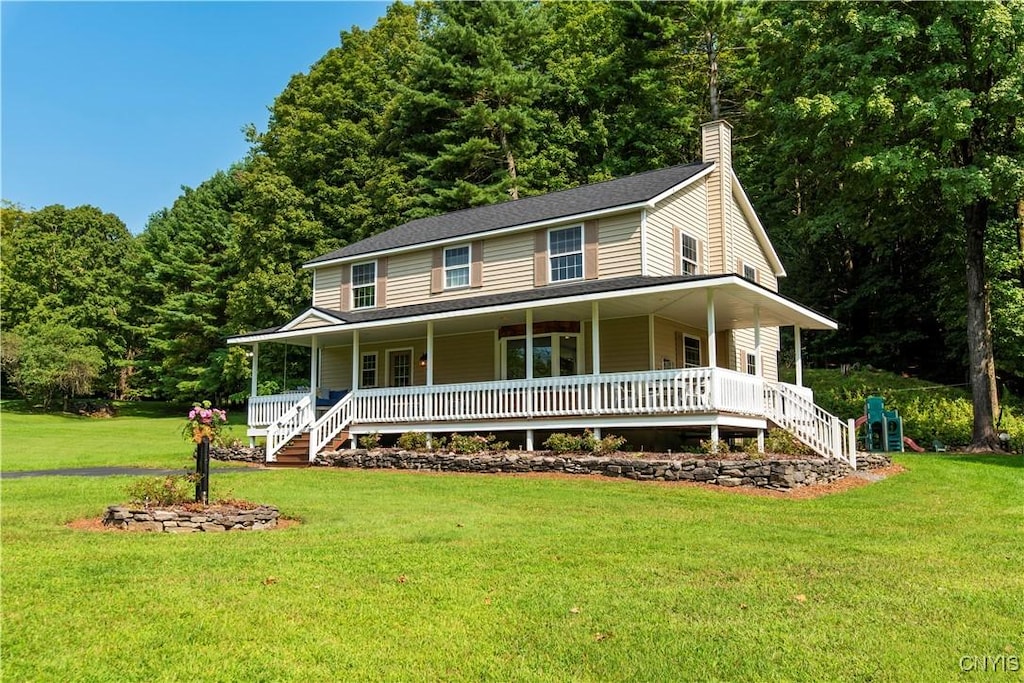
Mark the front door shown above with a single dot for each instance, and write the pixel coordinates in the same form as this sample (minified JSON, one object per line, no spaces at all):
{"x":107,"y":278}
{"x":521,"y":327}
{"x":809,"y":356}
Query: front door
{"x":400,"y":368}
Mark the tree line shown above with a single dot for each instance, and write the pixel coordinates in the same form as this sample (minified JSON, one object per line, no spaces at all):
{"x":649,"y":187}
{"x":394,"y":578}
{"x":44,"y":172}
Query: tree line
{"x":881,"y":144}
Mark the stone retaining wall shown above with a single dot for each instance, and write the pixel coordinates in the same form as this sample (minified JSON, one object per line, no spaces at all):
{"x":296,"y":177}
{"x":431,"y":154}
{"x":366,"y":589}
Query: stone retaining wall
{"x":238,"y":454}
{"x":182,"y":521}
{"x":767,"y":473}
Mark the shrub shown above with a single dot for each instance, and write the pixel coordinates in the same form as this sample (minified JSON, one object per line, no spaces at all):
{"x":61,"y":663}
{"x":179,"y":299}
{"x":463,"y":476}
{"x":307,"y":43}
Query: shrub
{"x":750,"y":449}
{"x":782,"y":442}
{"x":464,"y":444}
{"x":370,"y":441}
{"x":413,"y":441}
{"x":174,"y":489}
{"x":712,"y":447}
{"x":560,"y":442}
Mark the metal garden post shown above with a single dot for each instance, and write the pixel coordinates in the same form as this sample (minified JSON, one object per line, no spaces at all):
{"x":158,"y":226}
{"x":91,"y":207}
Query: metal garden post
{"x":203,"y":471}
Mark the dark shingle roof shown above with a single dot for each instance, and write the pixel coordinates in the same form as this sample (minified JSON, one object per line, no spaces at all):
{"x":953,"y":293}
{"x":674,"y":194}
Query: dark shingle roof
{"x":610,"y":194}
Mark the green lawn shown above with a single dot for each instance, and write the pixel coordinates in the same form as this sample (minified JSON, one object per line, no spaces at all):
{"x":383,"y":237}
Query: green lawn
{"x":416,"y":576}
{"x":143,"y":435}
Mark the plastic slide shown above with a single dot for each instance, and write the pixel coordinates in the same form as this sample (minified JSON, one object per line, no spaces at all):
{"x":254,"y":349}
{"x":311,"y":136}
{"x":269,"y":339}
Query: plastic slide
{"x":860,"y":421}
{"x":912,"y":445}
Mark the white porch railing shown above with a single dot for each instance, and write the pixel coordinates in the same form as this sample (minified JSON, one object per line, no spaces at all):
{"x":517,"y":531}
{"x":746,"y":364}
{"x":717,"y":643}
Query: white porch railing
{"x":789,"y":408}
{"x":693,"y":390}
{"x":330,"y":424}
{"x":266,"y":410}
{"x":295,"y":421}
{"x":633,"y":393}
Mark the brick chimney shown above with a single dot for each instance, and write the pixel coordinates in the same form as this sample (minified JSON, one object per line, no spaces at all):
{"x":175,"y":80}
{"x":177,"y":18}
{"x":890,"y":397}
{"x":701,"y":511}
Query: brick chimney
{"x":716,"y":147}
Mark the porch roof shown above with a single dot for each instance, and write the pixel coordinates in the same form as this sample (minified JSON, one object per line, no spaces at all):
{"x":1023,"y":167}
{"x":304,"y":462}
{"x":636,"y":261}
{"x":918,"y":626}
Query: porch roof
{"x":675,"y":297}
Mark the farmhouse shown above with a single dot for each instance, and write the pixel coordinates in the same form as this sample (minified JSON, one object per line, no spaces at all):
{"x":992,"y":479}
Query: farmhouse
{"x":647,"y":304}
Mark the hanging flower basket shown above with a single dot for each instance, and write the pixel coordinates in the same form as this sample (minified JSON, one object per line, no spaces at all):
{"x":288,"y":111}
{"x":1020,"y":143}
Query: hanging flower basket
{"x":205,"y":421}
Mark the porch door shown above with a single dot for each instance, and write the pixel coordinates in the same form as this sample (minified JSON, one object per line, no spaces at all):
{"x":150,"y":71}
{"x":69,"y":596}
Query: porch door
{"x":553,"y":356}
{"x":400,"y":368}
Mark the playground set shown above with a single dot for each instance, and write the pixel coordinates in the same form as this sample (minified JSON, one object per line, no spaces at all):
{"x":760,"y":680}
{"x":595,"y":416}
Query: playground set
{"x":884,"y":428}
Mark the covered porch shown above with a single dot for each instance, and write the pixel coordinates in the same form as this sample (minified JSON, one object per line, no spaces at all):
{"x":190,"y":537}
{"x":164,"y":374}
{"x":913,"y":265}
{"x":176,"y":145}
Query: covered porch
{"x":645,"y":354}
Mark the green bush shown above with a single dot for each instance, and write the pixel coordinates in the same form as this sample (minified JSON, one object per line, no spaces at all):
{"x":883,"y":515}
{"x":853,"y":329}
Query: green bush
{"x":174,"y":489}
{"x":560,"y":442}
{"x":712,"y":447}
{"x":465,"y":444}
{"x":370,"y":441}
{"x":783,"y":443}
{"x":413,"y":441}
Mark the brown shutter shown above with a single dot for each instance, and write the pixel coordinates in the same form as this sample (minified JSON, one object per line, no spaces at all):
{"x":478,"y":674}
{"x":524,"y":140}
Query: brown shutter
{"x":540,"y":258}
{"x":739,"y":266}
{"x":381,"y":300}
{"x":590,"y":237}
{"x":437,"y":272}
{"x":476,"y":264}
{"x":346,"y":287}
{"x":700,"y":257}
{"x":677,"y":252}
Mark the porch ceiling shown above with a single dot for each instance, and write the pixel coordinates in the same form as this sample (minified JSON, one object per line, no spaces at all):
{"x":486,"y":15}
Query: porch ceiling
{"x":739,"y":304}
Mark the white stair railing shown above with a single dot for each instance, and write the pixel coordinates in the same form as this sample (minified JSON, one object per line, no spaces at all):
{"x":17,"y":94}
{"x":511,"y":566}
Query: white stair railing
{"x":288,"y":426}
{"x":811,"y":424}
{"x":330,"y":424}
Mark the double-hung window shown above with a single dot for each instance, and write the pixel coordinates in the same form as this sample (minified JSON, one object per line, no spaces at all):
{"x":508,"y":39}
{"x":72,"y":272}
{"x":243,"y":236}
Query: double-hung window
{"x":751,"y":364}
{"x":368,"y":370}
{"x":456,"y":267}
{"x":687,"y":254}
{"x":565,"y":252}
{"x":364,"y":285}
{"x":750,"y":273}
{"x":691,"y":352}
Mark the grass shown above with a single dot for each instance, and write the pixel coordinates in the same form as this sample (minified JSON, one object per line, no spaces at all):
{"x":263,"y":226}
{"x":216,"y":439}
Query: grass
{"x":143,"y":435}
{"x":416,"y":576}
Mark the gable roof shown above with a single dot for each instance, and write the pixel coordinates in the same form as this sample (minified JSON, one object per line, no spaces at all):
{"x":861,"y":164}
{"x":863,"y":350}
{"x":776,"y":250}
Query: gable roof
{"x":585,"y":199}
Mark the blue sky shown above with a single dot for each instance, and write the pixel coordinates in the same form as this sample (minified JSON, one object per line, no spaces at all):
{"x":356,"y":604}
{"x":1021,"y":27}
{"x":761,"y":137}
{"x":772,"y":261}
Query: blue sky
{"x":118,"y":105}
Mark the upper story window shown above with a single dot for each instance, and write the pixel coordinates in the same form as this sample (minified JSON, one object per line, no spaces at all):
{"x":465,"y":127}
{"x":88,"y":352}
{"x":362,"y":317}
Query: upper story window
{"x":364,"y":285}
{"x":565,"y":253}
{"x":687,"y":255}
{"x":750,"y":273}
{"x":456,"y":267}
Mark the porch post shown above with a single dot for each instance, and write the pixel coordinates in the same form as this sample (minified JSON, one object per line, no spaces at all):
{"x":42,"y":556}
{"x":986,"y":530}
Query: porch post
{"x":712,"y":340}
{"x":430,"y":378}
{"x":529,"y":343}
{"x":314,"y":373}
{"x":355,"y":360}
{"x":430,"y":353}
{"x":255,"y":360}
{"x":353,"y":442}
{"x":757,"y":341}
{"x":595,"y":355}
{"x":760,"y":441}
{"x":254,"y":383}
{"x":798,"y":356}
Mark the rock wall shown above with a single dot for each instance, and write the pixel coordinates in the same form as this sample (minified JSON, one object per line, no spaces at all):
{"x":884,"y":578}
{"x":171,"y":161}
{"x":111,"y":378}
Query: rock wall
{"x":182,"y":521}
{"x":238,"y":454}
{"x":767,"y":473}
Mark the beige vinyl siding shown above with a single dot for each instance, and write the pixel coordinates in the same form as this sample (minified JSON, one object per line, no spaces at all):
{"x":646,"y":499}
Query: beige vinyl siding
{"x":686,"y":210}
{"x":336,"y":367}
{"x":743,"y":343}
{"x":746,"y":248}
{"x":464,"y":358}
{"x":619,"y":246}
{"x":665,"y":342}
{"x":328,"y":288}
{"x":312,"y":321}
{"x":409,"y":278}
{"x":624,"y":346}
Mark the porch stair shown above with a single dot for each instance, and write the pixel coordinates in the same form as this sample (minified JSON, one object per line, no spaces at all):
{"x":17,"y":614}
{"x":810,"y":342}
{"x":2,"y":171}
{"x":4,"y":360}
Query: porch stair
{"x":293,"y":454}
{"x":809,"y":423}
